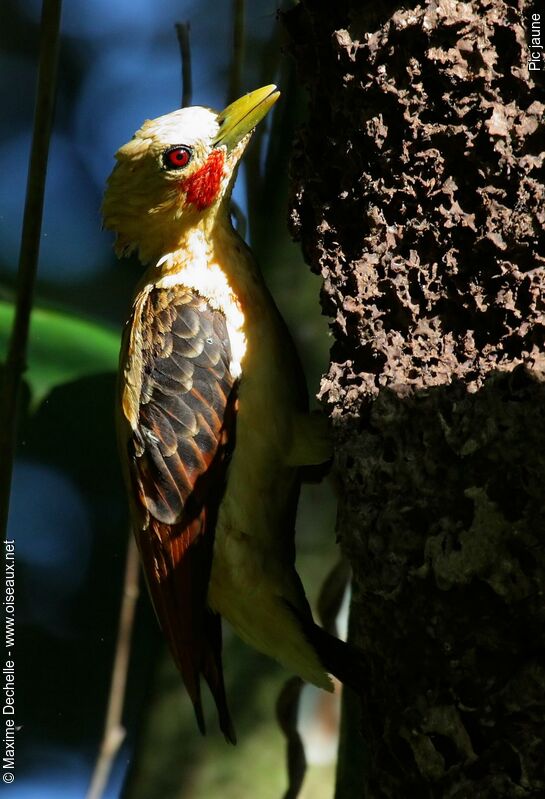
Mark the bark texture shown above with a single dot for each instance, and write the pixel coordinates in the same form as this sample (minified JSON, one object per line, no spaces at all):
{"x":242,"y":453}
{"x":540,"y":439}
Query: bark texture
{"x":418,"y":194}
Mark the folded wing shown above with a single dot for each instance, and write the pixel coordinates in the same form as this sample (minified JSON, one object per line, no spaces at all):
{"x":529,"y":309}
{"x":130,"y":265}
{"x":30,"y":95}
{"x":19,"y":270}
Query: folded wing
{"x":178,"y":451}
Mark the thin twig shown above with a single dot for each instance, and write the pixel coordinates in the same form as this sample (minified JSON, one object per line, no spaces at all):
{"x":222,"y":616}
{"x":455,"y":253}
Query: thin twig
{"x":256,"y":185}
{"x":287,"y":713}
{"x":235,"y":88}
{"x":114,"y":732}
{"x":182,"y":32}
{"x":30,"y":246}
{"x":237,"y":61}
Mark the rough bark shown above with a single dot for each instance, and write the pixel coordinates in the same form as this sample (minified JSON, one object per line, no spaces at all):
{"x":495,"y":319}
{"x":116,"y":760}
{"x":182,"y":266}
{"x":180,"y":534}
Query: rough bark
{"x":418,"y":194}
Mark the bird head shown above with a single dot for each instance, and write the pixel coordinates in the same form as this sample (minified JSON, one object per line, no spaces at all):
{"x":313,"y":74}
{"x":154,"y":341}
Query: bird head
{"x":177,"y":172}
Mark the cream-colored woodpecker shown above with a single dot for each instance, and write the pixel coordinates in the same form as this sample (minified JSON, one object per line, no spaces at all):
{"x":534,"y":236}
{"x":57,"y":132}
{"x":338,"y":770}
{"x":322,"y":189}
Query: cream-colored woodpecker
{"x":213,"y":418}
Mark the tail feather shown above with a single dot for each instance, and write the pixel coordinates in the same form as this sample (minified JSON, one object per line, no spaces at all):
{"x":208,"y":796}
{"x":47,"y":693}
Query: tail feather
{"x":345,"y":661}
{"x":212,"y":671}
{"x":199,"y":716}
{"x":176,"y":562}
{"x":341,"y":659}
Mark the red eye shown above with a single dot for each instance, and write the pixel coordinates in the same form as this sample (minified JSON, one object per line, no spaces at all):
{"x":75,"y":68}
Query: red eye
{"x":176,"y":157}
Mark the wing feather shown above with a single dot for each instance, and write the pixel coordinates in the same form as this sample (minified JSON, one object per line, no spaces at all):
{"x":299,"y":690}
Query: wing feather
{"x":178,"y":452}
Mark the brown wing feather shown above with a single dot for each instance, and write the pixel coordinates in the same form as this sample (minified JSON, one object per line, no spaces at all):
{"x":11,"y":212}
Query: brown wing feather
{"x":178,"y":456}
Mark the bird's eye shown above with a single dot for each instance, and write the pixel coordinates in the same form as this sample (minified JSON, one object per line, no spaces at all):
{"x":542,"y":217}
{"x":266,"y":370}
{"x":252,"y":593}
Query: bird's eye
{"x":176,"y":157}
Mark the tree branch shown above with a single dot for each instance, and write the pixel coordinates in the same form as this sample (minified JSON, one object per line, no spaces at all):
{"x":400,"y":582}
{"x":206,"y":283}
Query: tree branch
{"x":114,"y":732}
{"x":182,"y":32}
{"x":30,"y":246}
{"x":237,"y":62}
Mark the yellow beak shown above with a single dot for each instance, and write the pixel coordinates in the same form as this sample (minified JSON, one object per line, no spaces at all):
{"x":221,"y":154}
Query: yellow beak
{"x":241,"y":117}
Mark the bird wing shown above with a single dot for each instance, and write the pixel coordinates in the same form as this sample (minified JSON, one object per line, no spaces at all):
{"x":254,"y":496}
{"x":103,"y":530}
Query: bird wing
{"x":182,"y":435}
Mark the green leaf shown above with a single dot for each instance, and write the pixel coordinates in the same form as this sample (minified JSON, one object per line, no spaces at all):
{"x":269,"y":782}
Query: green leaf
{"x":62,"y":348}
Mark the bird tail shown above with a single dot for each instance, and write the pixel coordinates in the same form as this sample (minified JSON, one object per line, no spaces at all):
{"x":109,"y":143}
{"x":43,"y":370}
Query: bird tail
{"x":212,"y":671}
{"x":343,"y":660}
{"x":203,"y":658}
{"x":339,"y":658}
{"x":176,"y":573}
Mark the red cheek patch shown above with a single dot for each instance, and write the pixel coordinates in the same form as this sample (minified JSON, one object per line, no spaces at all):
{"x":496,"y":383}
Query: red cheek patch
{"x":201,"y":188}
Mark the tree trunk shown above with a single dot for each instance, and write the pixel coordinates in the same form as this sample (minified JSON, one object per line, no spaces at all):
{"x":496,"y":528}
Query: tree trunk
{"x":418,"y":194}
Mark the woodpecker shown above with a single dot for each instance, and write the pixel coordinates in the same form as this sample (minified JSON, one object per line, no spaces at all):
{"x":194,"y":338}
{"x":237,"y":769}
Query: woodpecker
{"x":213,"y":420}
